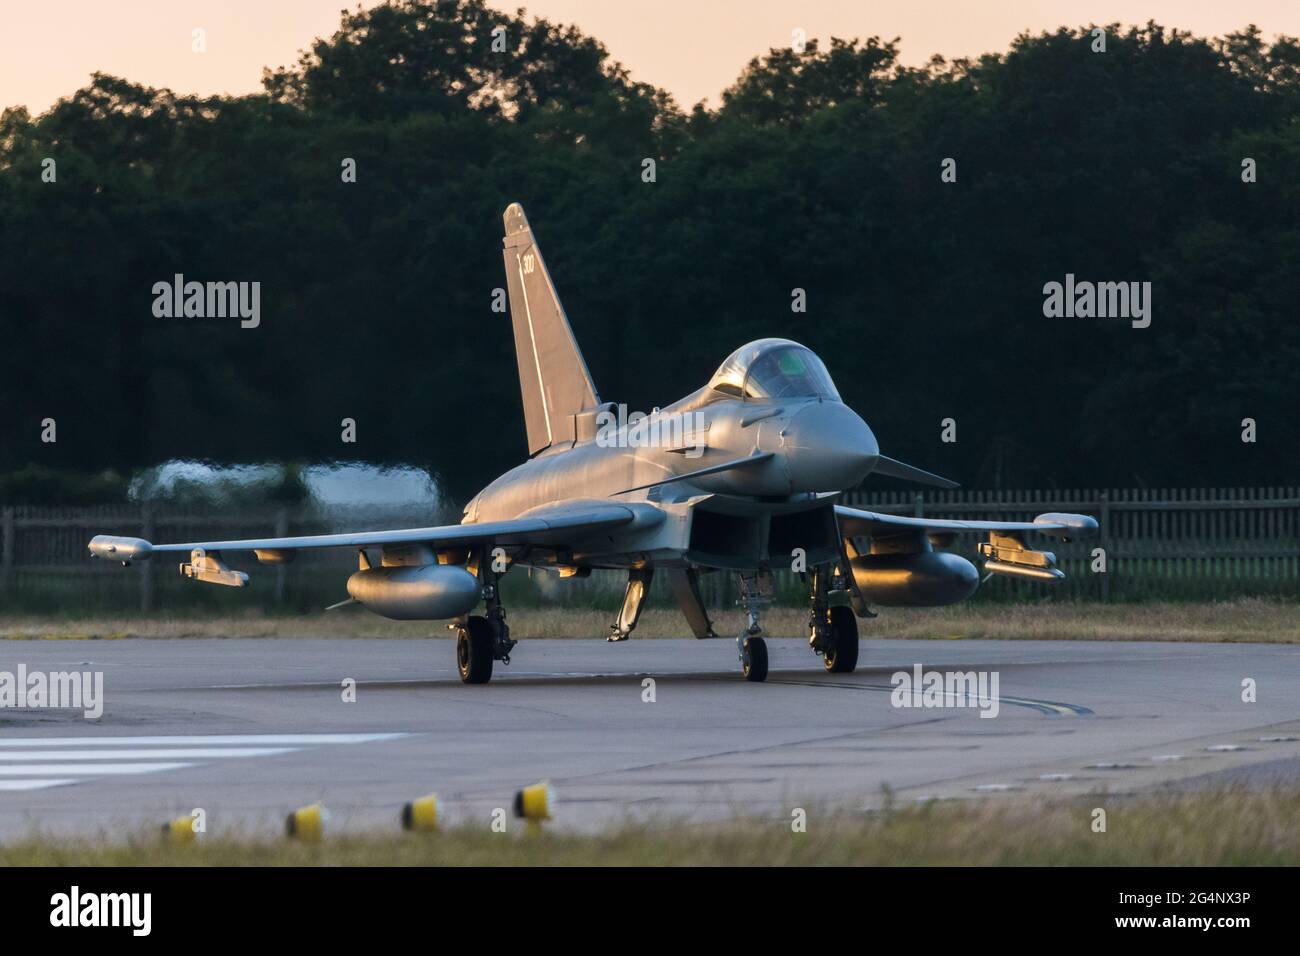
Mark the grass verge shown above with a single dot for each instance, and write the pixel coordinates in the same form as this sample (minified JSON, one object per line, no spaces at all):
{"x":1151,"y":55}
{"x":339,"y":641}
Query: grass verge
{"x":1223,"y":828}
{"x":1247,"y":620}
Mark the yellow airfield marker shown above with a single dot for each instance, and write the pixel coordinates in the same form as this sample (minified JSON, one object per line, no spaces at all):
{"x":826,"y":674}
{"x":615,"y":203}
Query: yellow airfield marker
{"x":179,"y":831}
{"x":535,"y":804}
{"x":306,"y":823}
{"x":422,"y":814}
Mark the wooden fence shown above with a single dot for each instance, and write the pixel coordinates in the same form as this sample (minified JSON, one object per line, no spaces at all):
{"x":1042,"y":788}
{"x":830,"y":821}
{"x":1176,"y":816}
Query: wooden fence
{"x":1158,"y":543}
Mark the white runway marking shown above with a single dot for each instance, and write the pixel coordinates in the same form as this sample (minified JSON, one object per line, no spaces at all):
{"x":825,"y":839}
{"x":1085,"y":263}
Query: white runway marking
{"x":156,"y":754}
{"x":35,"y":763}
{"x":38,"y":784}
{"x":179,"y":740}
{"x":89,"y":769}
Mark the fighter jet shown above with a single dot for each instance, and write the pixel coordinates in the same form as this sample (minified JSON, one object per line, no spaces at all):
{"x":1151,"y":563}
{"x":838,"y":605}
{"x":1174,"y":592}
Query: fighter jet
{"x":742,"y":476}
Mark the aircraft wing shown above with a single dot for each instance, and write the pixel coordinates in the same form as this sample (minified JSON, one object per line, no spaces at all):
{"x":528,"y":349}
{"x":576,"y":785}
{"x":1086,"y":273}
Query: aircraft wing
{"x":557,"y":526}
{"x":1005,"y":551}
{"x":1055,"y":524}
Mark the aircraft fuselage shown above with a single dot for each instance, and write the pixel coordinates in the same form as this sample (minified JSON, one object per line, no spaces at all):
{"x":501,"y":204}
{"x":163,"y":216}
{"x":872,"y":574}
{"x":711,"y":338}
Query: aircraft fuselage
{"x":806,"y":450}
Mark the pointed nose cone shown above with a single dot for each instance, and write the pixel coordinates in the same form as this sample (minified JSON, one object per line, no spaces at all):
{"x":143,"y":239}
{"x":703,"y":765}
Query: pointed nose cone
{"x":827,"y":447}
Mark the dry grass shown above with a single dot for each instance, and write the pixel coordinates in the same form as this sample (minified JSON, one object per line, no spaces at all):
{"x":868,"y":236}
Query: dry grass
{"x":1226,"y":828}
{"x":1246,"y":620}
{"x":1250,"y":620}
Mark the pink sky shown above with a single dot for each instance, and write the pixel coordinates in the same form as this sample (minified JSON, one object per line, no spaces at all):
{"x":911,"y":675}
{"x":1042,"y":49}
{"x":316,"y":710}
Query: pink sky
{"x":693,"y":48}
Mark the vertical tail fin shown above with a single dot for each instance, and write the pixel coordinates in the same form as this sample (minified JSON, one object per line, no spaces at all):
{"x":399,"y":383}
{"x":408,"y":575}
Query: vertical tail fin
{"x":552,"y":374}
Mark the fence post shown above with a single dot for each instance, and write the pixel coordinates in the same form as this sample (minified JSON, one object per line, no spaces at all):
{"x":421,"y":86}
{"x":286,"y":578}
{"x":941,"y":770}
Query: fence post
{"x":1103,"y":521}
{"x":281,"y":531}
{"x":918,"y":505}
{"x":146,"y":566}
{"x":7,"y":550}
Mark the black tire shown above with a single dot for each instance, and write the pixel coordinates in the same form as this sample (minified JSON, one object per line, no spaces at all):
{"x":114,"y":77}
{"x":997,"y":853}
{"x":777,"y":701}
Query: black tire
{"x":754,"y":661}
{"x":842,"y":655}
{"x":475,"y":643}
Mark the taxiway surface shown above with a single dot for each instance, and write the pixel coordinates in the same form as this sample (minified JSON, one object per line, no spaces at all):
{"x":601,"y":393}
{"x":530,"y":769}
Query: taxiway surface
{"x":249,"y":729}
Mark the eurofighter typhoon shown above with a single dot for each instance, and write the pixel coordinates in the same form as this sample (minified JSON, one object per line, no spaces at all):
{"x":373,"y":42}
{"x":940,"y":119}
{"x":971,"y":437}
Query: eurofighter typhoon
{"x":737,"y":477}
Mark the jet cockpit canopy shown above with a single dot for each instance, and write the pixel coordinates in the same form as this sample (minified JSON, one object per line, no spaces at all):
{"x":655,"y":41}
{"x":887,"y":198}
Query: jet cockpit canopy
{"x":774,"y":369}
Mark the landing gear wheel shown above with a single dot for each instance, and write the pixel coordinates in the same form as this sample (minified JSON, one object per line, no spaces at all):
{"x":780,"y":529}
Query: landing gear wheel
{"x":841,"y":655}
{"x":475,"y":643}
{"x":753,"y":659}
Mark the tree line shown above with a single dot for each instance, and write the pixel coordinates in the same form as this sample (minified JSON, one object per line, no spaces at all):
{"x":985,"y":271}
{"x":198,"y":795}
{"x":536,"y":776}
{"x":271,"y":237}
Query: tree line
{"x":901,"y":221}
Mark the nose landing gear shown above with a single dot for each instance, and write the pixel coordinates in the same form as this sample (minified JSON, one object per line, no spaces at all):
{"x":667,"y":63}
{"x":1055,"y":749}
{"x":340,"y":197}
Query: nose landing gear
{"x":753,"y":658}
{"x":755,"y":594}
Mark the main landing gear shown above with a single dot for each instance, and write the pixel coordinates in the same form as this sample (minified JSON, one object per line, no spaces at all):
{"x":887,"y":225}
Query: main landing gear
{"x":482,"y":640}
{"x":832,"y":631}
{"x":475,"y":650}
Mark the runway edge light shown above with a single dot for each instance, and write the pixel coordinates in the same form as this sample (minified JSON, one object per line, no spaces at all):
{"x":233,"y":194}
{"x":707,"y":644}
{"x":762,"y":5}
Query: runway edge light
{"x":179,"y":831}
{"x":535,"y":803}
{"x":306,"y":823}
{"x":422,"y":814}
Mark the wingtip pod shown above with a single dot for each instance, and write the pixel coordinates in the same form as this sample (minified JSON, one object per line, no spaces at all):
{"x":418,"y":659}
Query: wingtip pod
{"x":514,"y":219}
{"x":115,"y":548}
{"x":1075,"y":526}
